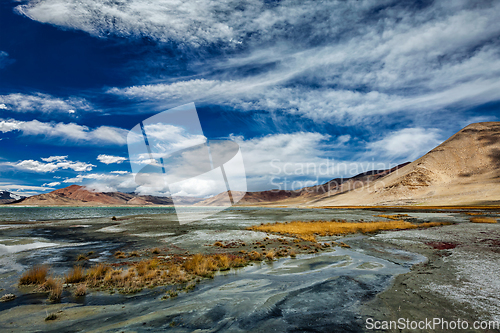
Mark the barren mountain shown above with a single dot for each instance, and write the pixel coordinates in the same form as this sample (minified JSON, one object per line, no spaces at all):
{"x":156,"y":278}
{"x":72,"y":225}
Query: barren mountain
{"x":9,"y":197}
{"x":285,"y":198}
{"x":463,"y":170}
{"x":76,"y":195}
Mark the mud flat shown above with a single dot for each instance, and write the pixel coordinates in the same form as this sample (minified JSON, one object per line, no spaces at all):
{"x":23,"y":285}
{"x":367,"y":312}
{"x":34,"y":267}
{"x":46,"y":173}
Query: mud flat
{"x":458,"y":280}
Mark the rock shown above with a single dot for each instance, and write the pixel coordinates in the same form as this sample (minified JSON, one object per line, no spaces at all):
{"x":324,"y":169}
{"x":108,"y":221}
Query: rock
{"x":7,"y":298}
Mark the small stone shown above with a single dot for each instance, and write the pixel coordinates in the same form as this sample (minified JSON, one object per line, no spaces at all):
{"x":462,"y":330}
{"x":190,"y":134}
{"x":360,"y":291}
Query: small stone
{"x":7,"y":298}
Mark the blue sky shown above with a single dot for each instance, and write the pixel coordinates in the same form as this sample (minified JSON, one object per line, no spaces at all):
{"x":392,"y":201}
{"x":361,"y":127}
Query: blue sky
{"x":349,"y":85}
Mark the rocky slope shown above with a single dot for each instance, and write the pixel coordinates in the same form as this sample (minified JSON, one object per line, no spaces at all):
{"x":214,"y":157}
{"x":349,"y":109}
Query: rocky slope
{"x":9,"y":197}
{"x":463,"y":170}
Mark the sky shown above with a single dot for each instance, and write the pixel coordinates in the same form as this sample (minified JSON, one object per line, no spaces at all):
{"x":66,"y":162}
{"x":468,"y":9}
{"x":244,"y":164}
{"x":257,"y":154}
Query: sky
{"x":310,"y":90}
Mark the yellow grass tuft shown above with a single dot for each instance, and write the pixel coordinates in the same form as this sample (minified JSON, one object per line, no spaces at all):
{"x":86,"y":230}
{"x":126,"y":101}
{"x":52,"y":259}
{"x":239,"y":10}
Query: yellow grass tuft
{"x":254,"y":255}
{"x":393,"y":217}
{"x":35,"y":275}
{"x":309,"y":230}
{"x":81,"y":257}
{"x":77,"y":274}
{"x":81,"y":290}
{"x":120,"y":255}
{"x":270,"y":255}
{"x":56,"y":289}
{"x":96,"y":273}
{"x":483,"y":220}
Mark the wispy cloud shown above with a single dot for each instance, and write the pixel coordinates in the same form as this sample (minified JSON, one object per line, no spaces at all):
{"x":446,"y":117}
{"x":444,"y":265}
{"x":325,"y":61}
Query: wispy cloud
{"x":360,"y":65}
{"x":43,"y":167}
{"x":110,"y":159}
{"x":408,"y":143}
{"x":5,"y":60}
{"x":52,"y":184}
{"x":67,"y":132}
{"x":93,"y":176}
{"x":44,"y":103}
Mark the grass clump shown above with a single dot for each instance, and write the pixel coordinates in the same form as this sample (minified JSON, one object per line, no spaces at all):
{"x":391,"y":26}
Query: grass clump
{"x":270,"y":255}
{"x":120,"y":255}
{"x":309,"y":230}
{"x":155,"y":251}
{"x":55,"y":289}
{"x":81,"y":257}
{"x":483,"y":220}
{"x":35,"y":275}
{"x":51,"y":316}
{"x":393,"y":217}
{"x":77,"y":274}
{"x":81,"y":290}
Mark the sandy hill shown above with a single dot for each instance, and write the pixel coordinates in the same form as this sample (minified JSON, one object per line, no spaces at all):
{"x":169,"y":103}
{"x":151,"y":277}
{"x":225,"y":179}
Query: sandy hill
{"x":463,"y":170}
{"x":76,"y":195}
{"x":298,"y":197}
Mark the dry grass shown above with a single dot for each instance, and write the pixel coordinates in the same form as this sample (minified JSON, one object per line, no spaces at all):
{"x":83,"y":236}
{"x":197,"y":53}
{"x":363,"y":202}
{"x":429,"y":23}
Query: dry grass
{"x":270,"y":255}
{"x":474,"y":213}
{"x":483,"y":220}
{"x":81,"y":290}
{"x":56,"y":290}
{"x":133,"y":254}
{"x":130,"y":277}
{"x":51,"y":316}
{"x":393,"y":217}
{"x":77,"y":274}
{"x":35,"y":275}
{"x":309,"y":230}
{"x":120,"y":255}
{"x":155,"y":251}
{"x":81,"y":257}
{"x":254,"y":255}
{"x":96,"y":273}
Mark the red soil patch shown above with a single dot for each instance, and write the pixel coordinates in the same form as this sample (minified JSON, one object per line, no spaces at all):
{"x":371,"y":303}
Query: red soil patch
{"x":442,"y":245}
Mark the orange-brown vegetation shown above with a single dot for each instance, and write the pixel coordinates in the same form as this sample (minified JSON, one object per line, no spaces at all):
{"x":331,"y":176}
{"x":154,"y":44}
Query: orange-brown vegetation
{"x":483,"y":220}
{"x":81,"y":290}
{"x":35,"y":275}
{"x":393,"y":217}
{"x":77,"y":274}
{"x":309,"y":230}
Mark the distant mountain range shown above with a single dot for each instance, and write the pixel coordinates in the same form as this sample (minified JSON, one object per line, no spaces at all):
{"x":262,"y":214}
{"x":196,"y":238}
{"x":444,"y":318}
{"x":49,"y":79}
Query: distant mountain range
{"x":75,"y":195}
{"x":463,"y":170}
{"x":8,"y":197}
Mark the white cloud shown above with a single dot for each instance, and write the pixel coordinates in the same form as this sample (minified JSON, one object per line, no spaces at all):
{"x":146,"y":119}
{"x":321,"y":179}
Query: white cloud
{"x":43,"y":103}
{"x":23,"y":190}
{"x":71,"y":132}
{"x":60,"y":163}
{"x":54,"y":158}
{"x":109,"y":159}
{"x":94,"y":176}
{"x":120,"y":172}
{"x":408,"y":143}
{"x":3,"y":106}
{"x":443,"y":56}
{"x":52,"y":184}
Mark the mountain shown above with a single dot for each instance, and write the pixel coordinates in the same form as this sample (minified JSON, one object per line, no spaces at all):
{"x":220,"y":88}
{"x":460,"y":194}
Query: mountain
{"x":285,"y":198}
{"x":463,"y":170}
{"x":9,"y":197}
{"x":75,"y":195}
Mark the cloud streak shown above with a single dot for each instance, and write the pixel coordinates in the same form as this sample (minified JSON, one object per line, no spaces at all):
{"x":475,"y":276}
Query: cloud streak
{"x":66,"y":133}
{"x":44,"y":103}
